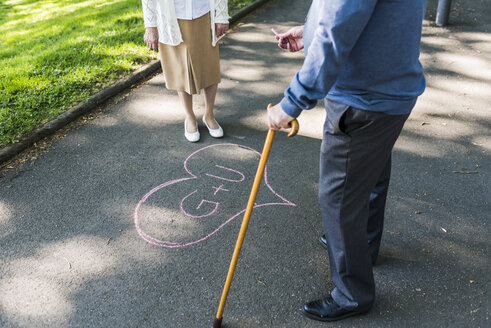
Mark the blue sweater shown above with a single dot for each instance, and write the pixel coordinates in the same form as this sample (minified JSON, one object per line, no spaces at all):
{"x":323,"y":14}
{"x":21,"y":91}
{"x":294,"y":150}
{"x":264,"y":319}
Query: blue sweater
{"x":362,"y":53}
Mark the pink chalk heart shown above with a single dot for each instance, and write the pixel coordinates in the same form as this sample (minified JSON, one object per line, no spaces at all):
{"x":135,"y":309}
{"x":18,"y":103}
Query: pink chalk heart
{"x":215,"y":191}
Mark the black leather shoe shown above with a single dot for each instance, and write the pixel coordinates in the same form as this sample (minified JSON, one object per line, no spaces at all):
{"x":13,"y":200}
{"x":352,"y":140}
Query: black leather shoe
{"x":323,"y":241}
{"x":327,"y":310}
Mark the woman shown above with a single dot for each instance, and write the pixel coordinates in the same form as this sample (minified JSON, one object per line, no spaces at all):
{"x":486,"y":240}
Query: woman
{"x":185,"y":32}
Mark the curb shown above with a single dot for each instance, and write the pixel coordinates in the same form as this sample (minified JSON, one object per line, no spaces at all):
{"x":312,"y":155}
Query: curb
{"x":246,"y":10}
{"x":136,"y":77}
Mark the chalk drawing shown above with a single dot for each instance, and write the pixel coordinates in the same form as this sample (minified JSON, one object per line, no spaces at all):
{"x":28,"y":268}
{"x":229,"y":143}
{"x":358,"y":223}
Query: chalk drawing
{"x":210,"y":208}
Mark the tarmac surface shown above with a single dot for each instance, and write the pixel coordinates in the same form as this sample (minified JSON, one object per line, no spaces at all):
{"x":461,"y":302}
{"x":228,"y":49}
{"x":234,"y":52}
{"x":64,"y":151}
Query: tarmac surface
{"x":118,"y":221}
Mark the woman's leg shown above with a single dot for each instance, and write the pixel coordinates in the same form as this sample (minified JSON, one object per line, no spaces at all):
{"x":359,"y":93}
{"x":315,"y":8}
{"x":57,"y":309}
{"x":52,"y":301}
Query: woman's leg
{"x":210,"y":93}
{"x":187,"y":103}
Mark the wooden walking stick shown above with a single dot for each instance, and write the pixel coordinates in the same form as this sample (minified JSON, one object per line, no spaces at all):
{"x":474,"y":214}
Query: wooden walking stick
{"x":217,"y":323}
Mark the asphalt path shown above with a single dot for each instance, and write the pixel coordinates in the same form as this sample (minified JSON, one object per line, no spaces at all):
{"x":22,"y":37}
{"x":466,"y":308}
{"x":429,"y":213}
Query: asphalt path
{"x":118,"y":221}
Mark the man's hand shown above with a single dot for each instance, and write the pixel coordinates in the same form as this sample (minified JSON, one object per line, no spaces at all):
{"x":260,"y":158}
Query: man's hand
{"x":151,"y":38}
{"x":292,"y":40}
{"x":277,"y":118}
{"x":220,"y":29}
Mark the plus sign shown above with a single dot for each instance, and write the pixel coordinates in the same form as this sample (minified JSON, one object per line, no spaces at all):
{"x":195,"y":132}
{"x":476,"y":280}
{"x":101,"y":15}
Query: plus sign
{"x":217,"y":189}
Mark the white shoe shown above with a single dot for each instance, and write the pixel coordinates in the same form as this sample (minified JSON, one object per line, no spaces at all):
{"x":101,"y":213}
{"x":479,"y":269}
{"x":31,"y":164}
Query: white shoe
{"x":192,"y":137}
{"x":215,"y":133}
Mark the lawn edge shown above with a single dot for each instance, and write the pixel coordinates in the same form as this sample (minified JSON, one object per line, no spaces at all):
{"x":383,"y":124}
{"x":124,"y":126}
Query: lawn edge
{"x":138,"y":76}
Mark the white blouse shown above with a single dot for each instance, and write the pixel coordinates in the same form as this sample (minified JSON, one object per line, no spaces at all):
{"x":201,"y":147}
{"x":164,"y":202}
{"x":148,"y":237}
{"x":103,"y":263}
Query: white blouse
{"x":191,"y":9}
{"x":162,"y":14}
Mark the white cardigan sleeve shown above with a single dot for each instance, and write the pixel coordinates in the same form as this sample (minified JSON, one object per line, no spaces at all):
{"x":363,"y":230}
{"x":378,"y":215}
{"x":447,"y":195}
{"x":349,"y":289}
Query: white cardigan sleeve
{"x":218,"y":14}
{"x":161,"y":14}
{"x":221,"y":11}
{"x":149,"y":13}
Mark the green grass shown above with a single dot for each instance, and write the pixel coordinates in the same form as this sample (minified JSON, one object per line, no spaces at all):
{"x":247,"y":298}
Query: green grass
{"x":57,"y":53}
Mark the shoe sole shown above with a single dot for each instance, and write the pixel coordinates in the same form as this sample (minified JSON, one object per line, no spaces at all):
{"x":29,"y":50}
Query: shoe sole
{"x":328,"y":319}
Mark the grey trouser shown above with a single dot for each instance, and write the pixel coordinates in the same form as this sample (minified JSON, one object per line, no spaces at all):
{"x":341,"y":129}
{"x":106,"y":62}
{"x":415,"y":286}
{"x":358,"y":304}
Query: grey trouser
{"x":355,"y":166}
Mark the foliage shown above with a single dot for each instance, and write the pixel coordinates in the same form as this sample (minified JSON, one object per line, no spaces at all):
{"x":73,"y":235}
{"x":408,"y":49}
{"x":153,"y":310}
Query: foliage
{"x":236,"y":5}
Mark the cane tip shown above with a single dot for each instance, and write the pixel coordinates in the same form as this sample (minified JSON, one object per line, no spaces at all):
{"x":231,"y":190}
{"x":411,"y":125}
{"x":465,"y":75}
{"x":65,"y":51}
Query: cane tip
{"x":217,"y":323}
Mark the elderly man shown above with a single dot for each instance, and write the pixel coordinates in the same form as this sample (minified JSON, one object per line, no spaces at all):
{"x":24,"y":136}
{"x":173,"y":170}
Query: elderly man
{"x":362,"y":58}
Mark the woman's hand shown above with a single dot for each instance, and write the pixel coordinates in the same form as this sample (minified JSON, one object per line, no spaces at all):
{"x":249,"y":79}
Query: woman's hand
{"x":151,"y":38}
{"x":292,"y":40}
{"x":220,"y":29}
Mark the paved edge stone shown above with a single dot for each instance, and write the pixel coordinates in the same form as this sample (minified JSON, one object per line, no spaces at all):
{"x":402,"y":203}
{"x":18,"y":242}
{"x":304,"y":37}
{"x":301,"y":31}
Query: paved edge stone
{"x":142,"y":73}
{"x":246,"y":10}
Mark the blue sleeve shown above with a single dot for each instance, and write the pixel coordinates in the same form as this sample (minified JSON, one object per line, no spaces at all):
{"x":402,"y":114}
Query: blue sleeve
{"x":336,"y":26}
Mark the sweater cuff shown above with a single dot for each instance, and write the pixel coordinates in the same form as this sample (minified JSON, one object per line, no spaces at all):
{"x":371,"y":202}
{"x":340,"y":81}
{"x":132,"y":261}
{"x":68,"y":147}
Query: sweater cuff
{"x":221,"y":21}
{"x":290,"y":108}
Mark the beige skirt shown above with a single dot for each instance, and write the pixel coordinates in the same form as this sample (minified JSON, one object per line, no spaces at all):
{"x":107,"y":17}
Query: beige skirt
{"x":193,"y":64}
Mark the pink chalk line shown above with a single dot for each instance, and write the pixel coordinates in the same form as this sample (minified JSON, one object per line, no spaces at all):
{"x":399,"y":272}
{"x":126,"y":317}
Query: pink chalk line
{"x":229,"y":180}
{"x":203,"y":201}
